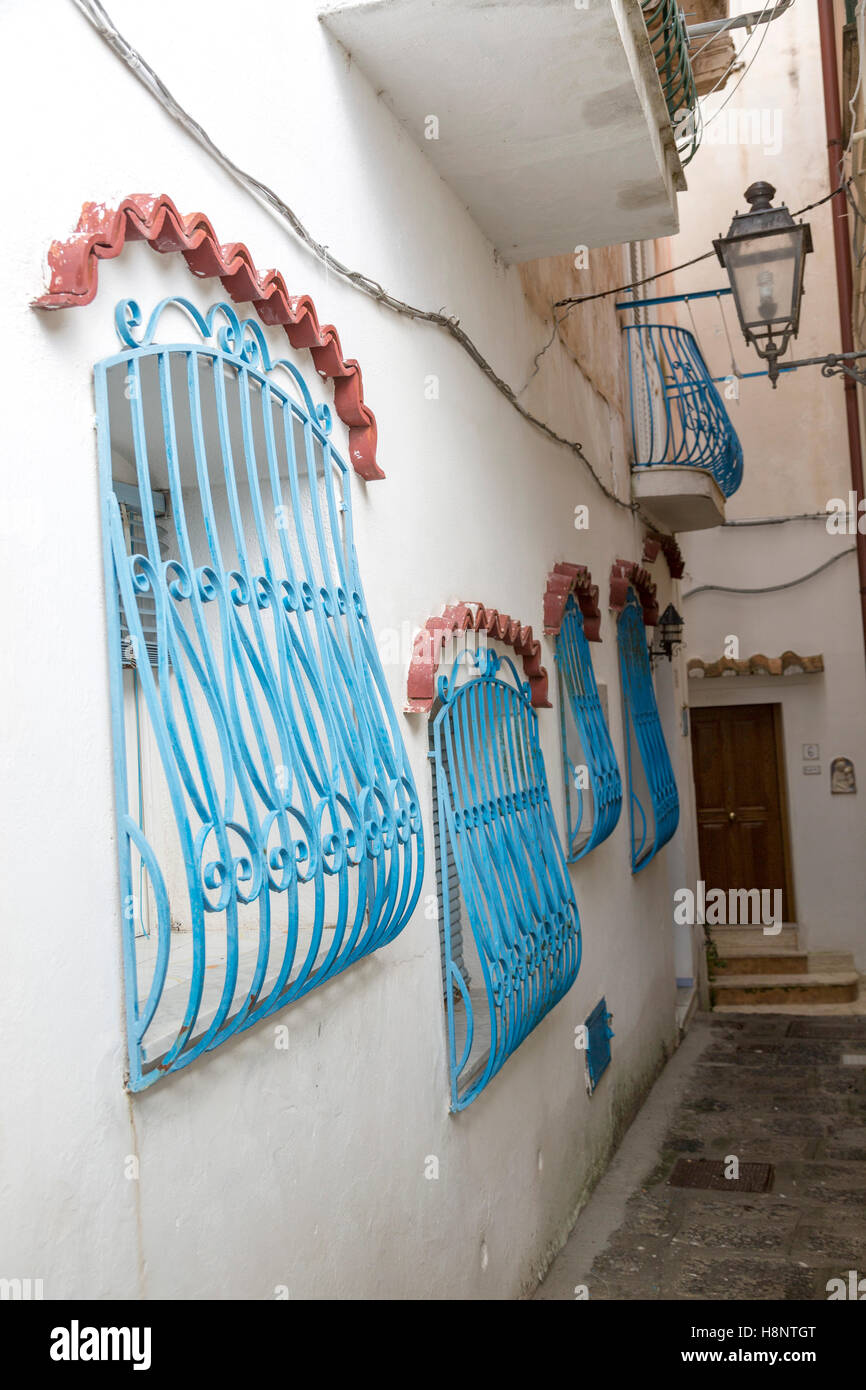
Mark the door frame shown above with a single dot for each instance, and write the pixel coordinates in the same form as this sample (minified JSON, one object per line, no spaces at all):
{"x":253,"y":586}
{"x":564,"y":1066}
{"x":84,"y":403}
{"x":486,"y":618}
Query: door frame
{"x":782,"y":781}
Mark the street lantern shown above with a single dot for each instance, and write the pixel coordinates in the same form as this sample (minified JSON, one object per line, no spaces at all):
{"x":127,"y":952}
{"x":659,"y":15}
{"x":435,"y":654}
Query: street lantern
{"x":764,"y":254}
{"x":669,"y":634}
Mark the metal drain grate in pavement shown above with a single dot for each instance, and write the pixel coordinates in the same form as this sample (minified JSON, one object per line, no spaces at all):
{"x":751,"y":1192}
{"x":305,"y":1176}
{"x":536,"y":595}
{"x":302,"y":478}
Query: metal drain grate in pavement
{"x":709,"y":1173}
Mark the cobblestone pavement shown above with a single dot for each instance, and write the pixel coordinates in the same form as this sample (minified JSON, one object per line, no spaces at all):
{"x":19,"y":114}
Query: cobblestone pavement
{"x":765,"y":1088}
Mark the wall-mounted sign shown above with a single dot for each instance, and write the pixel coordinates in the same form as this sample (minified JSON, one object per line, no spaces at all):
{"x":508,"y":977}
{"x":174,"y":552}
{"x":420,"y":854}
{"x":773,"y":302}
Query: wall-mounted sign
{"x":812,"y":769}
{"x":811,"y":752}
{"x":842,"y":779}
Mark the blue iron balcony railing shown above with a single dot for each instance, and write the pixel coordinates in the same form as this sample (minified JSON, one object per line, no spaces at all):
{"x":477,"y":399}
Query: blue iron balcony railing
{"x":670,"y":46}
{"x":677,"y":414}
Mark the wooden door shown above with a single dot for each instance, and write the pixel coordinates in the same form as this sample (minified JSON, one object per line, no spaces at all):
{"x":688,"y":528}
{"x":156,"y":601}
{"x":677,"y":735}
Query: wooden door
{"x":740,"y":794}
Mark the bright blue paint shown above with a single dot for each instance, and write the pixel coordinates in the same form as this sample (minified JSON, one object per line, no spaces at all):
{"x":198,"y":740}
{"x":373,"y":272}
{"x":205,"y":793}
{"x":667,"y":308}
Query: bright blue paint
{"x":598,"y":1036}
{"x":494,"y":812}
{"x":590,"y":819}
{"x":688,"y":421}
{"x":290,"y":813}
{"x":671,"y":299}
{"x":649,"y":832}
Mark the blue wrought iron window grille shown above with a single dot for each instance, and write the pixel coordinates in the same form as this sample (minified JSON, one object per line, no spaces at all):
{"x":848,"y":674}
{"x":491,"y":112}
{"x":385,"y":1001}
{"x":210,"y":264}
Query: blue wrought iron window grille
{"x":593,"y":786}
{"x":654,"y":806}
{"x":276,"y":837}
{"x":598,"y":1036}
{"x":677,"y":414}
{"x":501,"y":869}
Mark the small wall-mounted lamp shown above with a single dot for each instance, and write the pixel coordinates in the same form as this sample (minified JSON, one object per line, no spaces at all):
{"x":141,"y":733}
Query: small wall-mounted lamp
{"x":668,"y":635}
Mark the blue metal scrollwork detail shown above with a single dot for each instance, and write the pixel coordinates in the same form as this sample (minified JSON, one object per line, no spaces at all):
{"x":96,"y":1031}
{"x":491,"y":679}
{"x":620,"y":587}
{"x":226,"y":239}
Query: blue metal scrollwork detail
{"x":277,"y":838}
{"x":590,"y":818}
{"x":642,"y":726}
{"x":687,"y":420}
{"x":495,"y":817}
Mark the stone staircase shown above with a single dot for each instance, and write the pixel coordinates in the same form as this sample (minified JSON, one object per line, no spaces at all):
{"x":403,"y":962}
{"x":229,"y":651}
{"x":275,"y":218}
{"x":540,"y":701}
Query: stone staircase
{"x":752,"y":969}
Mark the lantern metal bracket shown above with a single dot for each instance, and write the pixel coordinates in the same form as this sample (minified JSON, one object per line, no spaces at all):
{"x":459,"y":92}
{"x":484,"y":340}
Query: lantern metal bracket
{"x":842,"y":363}
{"x":832,"y":364}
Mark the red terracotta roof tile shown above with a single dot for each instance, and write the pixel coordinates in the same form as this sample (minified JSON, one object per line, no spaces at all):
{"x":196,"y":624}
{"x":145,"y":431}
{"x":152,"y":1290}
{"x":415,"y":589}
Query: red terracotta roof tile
{"x":471,"y":617}
{"x":655,"y":542}
{"x":625,"y":573}
{"x":565,"y":579}
{"x":788,"y":664}
{"x":102,"y":233}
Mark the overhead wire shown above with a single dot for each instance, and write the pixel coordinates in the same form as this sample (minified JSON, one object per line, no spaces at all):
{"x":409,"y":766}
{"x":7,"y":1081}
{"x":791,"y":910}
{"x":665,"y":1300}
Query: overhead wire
{"x":101,"y":21}
{"x":738,"y":57}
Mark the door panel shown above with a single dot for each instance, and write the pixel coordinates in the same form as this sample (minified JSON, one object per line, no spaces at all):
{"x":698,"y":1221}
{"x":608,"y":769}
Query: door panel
{"x":742,"y":833}
{"x":706,"y":738}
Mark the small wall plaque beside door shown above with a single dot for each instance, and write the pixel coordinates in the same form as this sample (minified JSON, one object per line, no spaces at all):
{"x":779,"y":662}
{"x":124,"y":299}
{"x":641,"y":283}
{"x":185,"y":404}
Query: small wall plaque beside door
{"x":842,"y":779}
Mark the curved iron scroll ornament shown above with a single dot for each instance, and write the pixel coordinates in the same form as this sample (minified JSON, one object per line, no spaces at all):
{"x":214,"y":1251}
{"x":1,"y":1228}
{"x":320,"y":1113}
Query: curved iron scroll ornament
{"x":643,"y":727}
{"x":282,"y":831}
{"x":494,"y":813}
{"x":590,"y":818}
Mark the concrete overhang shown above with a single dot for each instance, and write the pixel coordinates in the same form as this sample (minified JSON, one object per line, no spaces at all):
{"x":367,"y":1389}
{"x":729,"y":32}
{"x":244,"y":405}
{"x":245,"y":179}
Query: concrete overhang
{"x":678,"y":497}
{"x":549,"y":119}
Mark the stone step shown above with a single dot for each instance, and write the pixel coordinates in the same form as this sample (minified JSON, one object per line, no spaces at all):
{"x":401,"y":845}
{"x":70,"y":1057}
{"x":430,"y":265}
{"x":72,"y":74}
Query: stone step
{"x":751,"y":962}
{"x":822,"y":961}
{"x":753,"y":938}
{"x":814,"y":987}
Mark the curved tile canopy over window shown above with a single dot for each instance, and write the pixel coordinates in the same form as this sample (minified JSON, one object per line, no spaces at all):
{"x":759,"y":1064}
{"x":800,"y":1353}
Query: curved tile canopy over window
{"x":102,"y":233}
{"x":654,"y":806}
{"x":269,"y":831}
{"x":496,"y":826}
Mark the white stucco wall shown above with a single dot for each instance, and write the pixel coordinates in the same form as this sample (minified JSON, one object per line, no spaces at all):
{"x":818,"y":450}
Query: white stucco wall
{"x":302,"y":1168}
{"x":796,"y":459}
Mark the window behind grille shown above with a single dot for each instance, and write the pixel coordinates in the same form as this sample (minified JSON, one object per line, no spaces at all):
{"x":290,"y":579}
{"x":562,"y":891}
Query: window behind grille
{"x":129,"y":499}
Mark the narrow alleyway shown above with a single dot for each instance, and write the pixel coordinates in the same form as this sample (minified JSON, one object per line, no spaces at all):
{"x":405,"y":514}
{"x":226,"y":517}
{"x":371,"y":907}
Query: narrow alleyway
{"x":784,"y":1089}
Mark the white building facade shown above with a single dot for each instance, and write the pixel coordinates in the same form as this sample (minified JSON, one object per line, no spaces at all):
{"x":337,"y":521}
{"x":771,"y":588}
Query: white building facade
{"x":325,"y":1150}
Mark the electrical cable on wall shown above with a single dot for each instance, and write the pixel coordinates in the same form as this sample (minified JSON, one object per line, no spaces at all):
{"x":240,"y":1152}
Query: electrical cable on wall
{"x":770,"y":588}
{"x":777,"y":520}
{"x":102,"y":22}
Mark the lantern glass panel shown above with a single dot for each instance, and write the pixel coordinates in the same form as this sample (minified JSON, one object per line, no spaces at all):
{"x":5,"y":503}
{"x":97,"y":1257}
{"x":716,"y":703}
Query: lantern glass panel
{"x":765,"y":274}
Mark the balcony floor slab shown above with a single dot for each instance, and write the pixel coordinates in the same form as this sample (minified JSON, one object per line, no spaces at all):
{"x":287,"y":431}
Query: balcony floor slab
{"x":678,"y":497}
